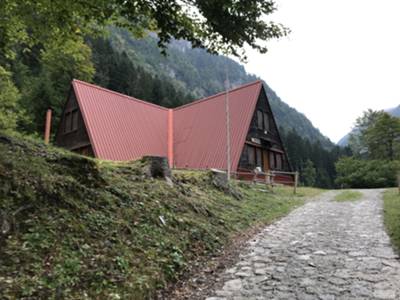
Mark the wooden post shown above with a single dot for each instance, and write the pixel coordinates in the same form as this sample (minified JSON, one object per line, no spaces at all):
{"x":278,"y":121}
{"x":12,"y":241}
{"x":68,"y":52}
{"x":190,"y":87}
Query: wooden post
{"x":272,"y":180}
{"x":296,"y":181}
{"x":47,"y":127}
{"x":228,"y":131}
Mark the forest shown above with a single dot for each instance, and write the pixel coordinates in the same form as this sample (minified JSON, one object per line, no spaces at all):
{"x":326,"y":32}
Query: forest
{"x":40,"y":84}
{"x":35,"y":75}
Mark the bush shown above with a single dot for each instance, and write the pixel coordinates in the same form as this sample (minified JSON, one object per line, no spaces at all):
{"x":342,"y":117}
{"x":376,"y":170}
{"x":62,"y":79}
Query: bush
{"x":9,"y":98}
{"x":358,"y":173}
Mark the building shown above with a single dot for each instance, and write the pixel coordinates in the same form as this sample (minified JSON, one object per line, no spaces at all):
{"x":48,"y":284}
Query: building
{"x":112,"y":126}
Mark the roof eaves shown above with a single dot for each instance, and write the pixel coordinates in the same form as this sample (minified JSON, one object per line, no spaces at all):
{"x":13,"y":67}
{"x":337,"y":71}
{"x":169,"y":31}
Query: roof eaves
{"x":85,"y":120}
{"x":247,"y":127}
{"x":219,"y":94}
{"x":119,"y":94}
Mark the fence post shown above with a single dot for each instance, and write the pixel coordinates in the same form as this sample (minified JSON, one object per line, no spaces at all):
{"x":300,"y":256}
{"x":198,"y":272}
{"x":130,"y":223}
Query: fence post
{"x":296,"y":181}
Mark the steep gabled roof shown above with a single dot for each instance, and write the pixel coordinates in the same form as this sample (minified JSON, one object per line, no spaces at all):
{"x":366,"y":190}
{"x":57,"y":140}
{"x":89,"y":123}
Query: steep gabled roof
{"x":125,"y":128}
{"x":200,"y":128}
{"x":121,"y":127}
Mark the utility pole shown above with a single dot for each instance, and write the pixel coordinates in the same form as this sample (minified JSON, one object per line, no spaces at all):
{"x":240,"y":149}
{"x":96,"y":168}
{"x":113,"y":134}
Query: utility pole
{"x":228,"y":128}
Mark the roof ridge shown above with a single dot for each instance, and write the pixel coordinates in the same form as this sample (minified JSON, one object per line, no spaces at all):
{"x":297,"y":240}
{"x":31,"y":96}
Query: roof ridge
{"x":117,"y":93}
{"x":201,"y":100}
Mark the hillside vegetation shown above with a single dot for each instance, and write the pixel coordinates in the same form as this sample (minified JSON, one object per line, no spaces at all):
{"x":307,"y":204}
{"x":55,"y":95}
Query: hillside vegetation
{"x":202,"y":74}
{"x":76,"y":228}
{"x":391,"y":213}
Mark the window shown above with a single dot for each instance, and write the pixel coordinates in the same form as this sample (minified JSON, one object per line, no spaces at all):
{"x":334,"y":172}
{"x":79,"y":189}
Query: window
{"x":68,"y":122}
{"x":272,"y":160}
{"x":260,"y":119}
{"x":74,"y":120}
{"x":259,"y":158}
{"x":251,"y":156}
{"x":278,"y":161}
{"x":266,"y":122}
{"x":71,"y":121}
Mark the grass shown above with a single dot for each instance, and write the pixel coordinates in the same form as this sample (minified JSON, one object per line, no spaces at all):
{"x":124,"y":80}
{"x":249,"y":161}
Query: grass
{"x":348,"y":196}
{"x":391,"y":206}
{"x":79,"y":228}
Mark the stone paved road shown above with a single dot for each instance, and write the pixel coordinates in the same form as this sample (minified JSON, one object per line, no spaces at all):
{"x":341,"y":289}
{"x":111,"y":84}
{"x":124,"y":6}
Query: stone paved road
{"x":323,"y":250}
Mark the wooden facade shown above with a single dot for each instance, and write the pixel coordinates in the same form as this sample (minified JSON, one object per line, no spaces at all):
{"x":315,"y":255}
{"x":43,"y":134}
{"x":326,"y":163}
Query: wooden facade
{"x":263,"y":147}
{"x":72,"y":133}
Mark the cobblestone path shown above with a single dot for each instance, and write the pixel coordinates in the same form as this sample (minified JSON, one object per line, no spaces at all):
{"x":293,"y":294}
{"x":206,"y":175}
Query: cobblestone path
{"x":323,"y":250}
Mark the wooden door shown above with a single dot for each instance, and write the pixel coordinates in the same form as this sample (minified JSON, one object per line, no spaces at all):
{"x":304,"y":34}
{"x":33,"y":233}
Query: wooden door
{"x":265,"y":160}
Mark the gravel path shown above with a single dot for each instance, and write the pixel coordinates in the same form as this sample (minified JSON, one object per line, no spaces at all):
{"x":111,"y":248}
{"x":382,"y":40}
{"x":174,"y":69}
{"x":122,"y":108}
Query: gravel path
{"x":323,"y":250}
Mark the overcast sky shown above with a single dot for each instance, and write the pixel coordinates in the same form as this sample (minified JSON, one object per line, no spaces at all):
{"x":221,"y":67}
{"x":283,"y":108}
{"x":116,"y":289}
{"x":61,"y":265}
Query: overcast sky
{"x":342,"y":57}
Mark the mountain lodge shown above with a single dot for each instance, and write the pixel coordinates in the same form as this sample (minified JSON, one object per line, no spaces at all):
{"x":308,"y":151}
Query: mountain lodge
{"x":108,"y":125}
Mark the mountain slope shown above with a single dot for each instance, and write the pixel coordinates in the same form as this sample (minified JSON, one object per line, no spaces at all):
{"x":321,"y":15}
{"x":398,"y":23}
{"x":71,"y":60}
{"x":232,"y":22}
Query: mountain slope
{"x":344,"y":141}
{"x":202,"y":74}
{"x":395,"y":111}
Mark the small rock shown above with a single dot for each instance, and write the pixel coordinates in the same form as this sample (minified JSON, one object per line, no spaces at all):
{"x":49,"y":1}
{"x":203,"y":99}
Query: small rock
{"x":385,"y":294}
{"x":233,"y":285}
{"x":260,"y":271}
{"x":243,"y":274}
{"x":304,"y":257}
{"x":307,"y":282}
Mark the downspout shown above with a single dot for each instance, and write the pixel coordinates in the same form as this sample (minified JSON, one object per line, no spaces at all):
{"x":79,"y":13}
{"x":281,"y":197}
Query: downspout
{"x":170,"y":137}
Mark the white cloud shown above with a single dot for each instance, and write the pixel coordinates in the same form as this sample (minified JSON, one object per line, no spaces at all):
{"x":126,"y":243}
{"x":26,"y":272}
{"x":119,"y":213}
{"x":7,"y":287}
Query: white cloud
{"x":341,"y":58}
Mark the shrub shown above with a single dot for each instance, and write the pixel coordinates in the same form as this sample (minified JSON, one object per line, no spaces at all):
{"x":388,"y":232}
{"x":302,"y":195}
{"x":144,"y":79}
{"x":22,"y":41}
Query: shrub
{"x":9,"y":97}
{"x":358,"y":173}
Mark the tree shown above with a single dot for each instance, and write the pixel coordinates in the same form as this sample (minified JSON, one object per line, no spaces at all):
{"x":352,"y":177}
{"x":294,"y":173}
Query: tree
{"x":49,"y":81}
{"x":376,"y":135}
{"x":315,"y":163}
{"x":220,"y":26}
{"x":116,"y":71}
{"x":309,"y":173}
{"x":383,"y":137}
{"x":357,"y":140}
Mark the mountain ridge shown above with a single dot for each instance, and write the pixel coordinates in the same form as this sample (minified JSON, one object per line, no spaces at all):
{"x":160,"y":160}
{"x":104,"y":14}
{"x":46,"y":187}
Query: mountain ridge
{"x":203,"y":74}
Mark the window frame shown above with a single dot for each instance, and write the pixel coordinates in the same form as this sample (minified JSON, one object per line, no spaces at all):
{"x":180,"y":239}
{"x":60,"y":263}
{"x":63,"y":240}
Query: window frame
{"x":71,"y":124}
{"x":74,"y":120}
{"x":278,"y":157}
{"x":260,"y":119}
{"x":266,"y":121}
{"x":251,"y":149}
{"x":259,"y":158}
{"x":272,"y":164}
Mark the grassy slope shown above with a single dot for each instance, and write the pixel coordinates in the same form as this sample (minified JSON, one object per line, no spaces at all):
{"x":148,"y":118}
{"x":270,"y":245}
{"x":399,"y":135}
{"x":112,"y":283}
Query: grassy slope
{"x":348,"y":196}
{"x":83,"y":228}
{"x":391,"y":207}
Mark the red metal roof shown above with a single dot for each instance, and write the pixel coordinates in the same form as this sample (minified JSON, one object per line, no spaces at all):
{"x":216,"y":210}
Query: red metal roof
{"x":124,"y":128}
{"x":200,"y":128}
{"x":121,"y":127}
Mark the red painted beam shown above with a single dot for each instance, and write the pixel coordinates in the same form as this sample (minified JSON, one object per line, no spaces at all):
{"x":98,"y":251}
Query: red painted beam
{"x":171,"y":138}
